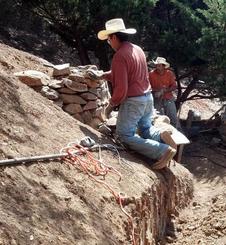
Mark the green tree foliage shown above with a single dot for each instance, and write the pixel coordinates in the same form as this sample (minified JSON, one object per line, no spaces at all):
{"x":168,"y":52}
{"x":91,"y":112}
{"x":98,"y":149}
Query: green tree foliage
{"x":9,"y":15}
{"x":172,"y":33}
{"x":13,"y":15}
{"x":78,"y":21}
{"x":213,"y":41}
{"x":190,"y":34}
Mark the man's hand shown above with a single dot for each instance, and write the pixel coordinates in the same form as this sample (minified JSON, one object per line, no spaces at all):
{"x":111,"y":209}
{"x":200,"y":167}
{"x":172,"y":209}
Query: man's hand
{"x":108,"y":110}
{"x":158,"y":94}
{"x":94,"y":74}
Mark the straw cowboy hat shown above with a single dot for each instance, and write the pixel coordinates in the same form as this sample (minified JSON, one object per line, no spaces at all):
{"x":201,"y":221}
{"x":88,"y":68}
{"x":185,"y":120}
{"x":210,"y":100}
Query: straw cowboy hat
{"x":161,"y":60}
{"x":113,"y":26}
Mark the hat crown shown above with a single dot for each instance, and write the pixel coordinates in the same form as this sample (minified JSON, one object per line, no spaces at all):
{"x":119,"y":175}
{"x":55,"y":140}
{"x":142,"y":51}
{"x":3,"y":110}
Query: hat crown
{"x":160,"y":60}
{"x":115,"y":24}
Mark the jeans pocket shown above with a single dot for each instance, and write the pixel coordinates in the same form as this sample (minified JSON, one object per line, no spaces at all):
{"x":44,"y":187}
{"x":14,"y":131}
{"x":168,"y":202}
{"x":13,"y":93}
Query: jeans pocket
{"x":128,"y":117}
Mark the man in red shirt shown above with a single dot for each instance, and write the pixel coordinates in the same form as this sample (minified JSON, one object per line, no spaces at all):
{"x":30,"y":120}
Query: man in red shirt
{"x":132,"y":91}
{"x":163,"y":83}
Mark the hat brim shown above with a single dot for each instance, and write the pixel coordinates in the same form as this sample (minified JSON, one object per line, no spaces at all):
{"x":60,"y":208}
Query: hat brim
{"x":103,"y":35}
{"x":167,"y":65}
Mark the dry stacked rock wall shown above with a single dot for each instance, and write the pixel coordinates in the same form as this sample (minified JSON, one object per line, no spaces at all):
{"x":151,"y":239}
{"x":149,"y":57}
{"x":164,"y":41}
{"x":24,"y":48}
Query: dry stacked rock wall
{"x":71,"y":88}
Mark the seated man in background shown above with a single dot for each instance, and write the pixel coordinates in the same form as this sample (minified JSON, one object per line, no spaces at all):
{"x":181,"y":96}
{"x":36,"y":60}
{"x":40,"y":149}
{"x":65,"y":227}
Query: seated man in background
{"x":163,"y":83}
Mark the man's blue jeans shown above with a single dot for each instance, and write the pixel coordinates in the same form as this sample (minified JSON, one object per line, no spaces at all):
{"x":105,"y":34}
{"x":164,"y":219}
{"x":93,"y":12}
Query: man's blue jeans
{"x":135,"y":113}
{"x":167,"y":107}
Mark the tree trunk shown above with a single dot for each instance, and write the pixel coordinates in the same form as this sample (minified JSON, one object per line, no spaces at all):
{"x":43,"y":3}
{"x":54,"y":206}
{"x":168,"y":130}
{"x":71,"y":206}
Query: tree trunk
{"x":82,"y":52}
{"x":188,"y":90}
{"x":73,"y":40}
{"x":179,"y":90}
{"x":101,"y":54}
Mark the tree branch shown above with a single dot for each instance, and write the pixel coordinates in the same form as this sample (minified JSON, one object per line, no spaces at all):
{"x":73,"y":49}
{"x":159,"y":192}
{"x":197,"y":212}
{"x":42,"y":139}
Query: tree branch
{"x":197,"y":97}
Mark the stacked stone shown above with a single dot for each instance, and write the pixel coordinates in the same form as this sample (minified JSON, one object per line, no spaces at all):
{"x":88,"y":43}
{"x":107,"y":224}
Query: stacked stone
{"x":72,"y":89}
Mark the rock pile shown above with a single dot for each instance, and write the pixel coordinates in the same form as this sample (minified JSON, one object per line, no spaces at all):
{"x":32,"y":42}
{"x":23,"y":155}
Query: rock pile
{"x":73,"y":89}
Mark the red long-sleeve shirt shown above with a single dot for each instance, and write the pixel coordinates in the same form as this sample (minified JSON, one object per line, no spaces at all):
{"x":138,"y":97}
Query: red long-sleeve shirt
{"x":129,"y":73}
{"x":161,"y":81}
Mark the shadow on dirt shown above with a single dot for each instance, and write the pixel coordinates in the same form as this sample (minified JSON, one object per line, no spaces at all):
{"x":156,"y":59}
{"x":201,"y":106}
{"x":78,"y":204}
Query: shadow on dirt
{"x":205,"y":158}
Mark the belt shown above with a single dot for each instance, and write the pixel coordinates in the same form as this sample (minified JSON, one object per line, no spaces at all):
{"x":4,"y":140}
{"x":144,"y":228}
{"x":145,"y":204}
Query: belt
{"x":145,"y":94}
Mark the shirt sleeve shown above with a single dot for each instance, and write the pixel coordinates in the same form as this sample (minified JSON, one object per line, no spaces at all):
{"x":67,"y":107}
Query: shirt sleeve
{"x":152,"y":82}
{"x":119,"y":81}
{"x":173,"y":80}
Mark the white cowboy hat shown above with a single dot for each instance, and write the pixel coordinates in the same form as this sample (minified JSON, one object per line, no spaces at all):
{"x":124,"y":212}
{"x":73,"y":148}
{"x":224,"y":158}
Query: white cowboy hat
{"x":161,"y":60}
{"x":113,"y":26}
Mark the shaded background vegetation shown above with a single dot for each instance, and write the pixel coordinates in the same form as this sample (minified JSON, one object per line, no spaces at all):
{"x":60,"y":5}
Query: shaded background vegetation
{"x":190,"y":34}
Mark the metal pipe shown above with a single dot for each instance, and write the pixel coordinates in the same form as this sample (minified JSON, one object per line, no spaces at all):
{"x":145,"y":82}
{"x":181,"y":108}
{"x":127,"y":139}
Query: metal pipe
{"x":15,"y":161}
{"x":39,"y":158}
{"x":31,"y":159}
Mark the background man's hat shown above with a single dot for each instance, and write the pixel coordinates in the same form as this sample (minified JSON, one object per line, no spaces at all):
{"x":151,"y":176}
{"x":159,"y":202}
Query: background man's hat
{"x":161,"y":60}
{"x":113,"y":26}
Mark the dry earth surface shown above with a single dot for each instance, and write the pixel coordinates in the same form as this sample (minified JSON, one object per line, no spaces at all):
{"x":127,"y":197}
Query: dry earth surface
{"x":203,"y":222}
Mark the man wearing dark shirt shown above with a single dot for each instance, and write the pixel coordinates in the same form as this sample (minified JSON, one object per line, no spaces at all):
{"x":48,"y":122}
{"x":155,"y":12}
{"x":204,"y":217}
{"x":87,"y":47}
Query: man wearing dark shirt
{"x":132,"y":91}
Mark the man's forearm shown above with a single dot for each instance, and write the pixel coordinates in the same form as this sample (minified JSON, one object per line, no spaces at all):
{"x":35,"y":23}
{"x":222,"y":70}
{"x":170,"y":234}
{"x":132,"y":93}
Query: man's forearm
{"x":170,"y":89}
{"x":107,"y":75}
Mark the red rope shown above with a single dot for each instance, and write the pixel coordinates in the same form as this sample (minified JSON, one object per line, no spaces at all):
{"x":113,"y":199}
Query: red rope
{"x":84,"y":160}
